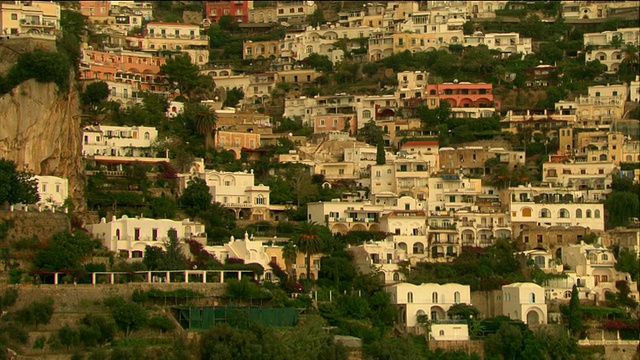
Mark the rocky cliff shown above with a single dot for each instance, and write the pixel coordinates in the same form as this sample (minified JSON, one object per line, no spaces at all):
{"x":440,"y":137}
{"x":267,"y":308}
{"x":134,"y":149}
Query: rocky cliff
{"x":40,"y":130}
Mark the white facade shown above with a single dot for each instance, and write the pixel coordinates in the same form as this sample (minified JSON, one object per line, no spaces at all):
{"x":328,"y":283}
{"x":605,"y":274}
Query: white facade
{"x":53,"y":190}
{"x":452,"y":192}
{"x":129,"y":236}
{"x":626,"y":35}
{"x":634,"y":90}
{"x":112,"y":141}
{"x":430,"y":300}
{"x":546,"y":206}
{"x":236,"y":191}
{"x":580,"y":175}
{"x":507,"y":43}
{"x":524,"y":302}
{"x":36,"y":17}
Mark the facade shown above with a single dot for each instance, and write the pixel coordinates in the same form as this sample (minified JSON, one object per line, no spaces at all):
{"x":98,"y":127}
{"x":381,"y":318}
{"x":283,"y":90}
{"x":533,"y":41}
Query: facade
{"x":411,"y":84}
{"x":53,"y":191}
{"x":380,"y":256}
{"x":236,"y":141}
{"x":127,"y":143}
{"x":128,"y":237}
{"x":580,"y":175}
{"x":237,"y":192}
{"x":175,"y":37}
{"x":471,"y":160}
{"x":260,"y":49}
{"x":214,"y":10}
{"x":464,"y":94}
{"x":36,"y":17}
{"x":431,"y":301}
{"x":524,"y":302}
{"x":342,"y":216}
{"x":505,"y":43}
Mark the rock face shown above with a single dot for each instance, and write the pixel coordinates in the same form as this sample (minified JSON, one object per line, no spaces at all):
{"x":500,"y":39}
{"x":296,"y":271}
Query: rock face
{"x":40,"y":130}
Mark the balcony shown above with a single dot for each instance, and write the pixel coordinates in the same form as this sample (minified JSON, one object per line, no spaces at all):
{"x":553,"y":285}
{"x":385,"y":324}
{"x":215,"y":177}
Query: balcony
{"x":442,"y":227}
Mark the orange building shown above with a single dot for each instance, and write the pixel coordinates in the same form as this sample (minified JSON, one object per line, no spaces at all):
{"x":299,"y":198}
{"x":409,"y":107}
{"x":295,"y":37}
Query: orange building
{"x":335,"y":122}
{"x":464,"y":94}
{"x":140,"y":70}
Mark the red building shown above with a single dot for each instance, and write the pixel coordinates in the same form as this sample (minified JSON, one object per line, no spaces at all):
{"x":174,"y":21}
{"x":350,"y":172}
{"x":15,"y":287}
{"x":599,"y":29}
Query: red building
{"x":214,"y":10}
{"x":464,"y":94}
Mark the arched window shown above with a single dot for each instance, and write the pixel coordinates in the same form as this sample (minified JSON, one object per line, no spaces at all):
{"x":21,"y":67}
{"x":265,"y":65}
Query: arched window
{"x":526,"y":212}
{"x":545,"y":213}
{"x":434,"y":297}
{"x":597,"y":214}
{"x":579,"y":213}
{"x":147,"y":136}
{"x":563,"y":213}
{"x":567,"y":294}
{"x":118,"y":234}
{"x":441,"y":332}
{"x":532,"y":298}
{"x":409,"y":297}
{"x":605,"y":257}
{"x":309,"y":49}
{"x":366,"y":114}
{"x":588,"y":213}
{"x":396,"y":277}
{"x":456,"y":297}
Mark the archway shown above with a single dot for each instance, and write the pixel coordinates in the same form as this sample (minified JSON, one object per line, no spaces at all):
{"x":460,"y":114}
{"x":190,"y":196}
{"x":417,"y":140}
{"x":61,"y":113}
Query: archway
{"x":533,"y":318}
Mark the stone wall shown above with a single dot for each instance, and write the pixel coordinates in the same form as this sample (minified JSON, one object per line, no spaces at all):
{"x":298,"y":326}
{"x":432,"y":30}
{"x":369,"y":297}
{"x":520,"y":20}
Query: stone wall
{"x":470,"y":347}
{"x":488,"y":303}
{"x":39,"y":224}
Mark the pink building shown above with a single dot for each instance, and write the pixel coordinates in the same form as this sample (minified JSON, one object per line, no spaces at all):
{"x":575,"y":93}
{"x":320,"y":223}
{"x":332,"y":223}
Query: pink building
{"x":464,"y":94}
{"x":335,"y":122}
{"x":95,"y":8}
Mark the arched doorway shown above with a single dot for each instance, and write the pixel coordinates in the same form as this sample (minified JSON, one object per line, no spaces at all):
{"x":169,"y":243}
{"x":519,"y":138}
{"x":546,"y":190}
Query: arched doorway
{"x":533,"y":318}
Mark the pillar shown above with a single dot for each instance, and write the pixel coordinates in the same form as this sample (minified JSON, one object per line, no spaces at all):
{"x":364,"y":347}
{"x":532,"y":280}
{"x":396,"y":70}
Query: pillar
{"x":221,"y":276}
{"x":186,"y":276}
{"x":113,"y":278}
{"x":55,"y":279}
{"x":204,"y":277}
{"x":93,"y":278}
{"x":239,"y":275}
{"x":168,"y":277}
{"x":149,"y":276}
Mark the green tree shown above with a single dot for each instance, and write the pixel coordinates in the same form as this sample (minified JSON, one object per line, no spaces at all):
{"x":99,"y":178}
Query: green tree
{"x":153,"y":257}
{"x":184,"y":76}
{"x":506,"y":342}
{"x":196,"y":197}
{"x":319,"y":62}
{"x":219,"y":221}
{"x":128,"y":316}
{"x":627,"y":261}
{"x":227,"y":23}
{"x":174,"y":257}
{"x":234,"y":96}
{"x":65,"y":251}
{"x":464,"y":311}
{"x":36,"y":313}
{"x":163,"y":207}
{"x":380,"y":155}
{"x":94,"y":94}
{"x":68,"y":336}
{"x":289,"y":254}
{"x":308,"y":240}
{"x":370,"y":133}
{"x":620,"y":206}
{"x":317,"y":18}
{"x":301,"y":184}
{"x":17,"y":186}
{"x":575,"y":313}
{"x":96,"y":329}
{"x":205,"y":120}
{"x":161,"y":323}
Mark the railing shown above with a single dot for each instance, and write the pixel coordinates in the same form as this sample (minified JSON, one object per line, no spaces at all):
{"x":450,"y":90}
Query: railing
{"x":442,"y":227}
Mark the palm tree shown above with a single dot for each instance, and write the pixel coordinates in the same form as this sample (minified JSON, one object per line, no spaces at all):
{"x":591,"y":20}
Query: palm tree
{"x":206,"y":120}
{"x":631,"y":57}
{"x":308,"y":241}
{"x":289,"y":253}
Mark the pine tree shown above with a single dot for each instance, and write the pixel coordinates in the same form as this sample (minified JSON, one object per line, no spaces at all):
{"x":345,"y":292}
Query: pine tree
{"x":575,"y":314}
{"x":380,"y":156}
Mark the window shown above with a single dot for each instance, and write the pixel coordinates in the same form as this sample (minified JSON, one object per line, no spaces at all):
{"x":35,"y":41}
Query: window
{"x":434,"y":297}
{"x":605,"y":257}
{"x":441,"y":333}
{"x":597,"y":214}
{"x":136,"y":233}
{"x":260,"y":200}
{"x":154,"y":234}
{"x":58,"y":188}
{"x":563,"y":213}
{"x":588,"y":213}
{"x":559,"y":239}
{"x":532,"y":297}
{"x":456,"y":297}
{"x":539,"y":238}
{"x":14,"y":16}
{"x":409,"y":297}
{"x":579,"y":213}
{"x":526,"y":212}
{"x":545,"y":213}
{"x":226,"y":11}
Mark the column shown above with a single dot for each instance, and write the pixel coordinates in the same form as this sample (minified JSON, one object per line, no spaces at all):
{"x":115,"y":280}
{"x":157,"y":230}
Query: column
{"x":186,"y":276}
{"x":204,"y":277}
{"x":221,"y":276}
{"x":149,"y":276}
{"x":93,"y":278}
{"x":113,"y":278}
{"x":239,"y":275}
{"x":55,"y":279}
{"x":168,"y":277}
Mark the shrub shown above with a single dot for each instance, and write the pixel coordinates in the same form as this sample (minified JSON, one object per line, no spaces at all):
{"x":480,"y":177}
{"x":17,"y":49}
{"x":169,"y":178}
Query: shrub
{"x":161,"y":323}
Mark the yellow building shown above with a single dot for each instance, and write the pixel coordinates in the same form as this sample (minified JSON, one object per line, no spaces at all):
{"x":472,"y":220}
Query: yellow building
{"x":40,"y":17}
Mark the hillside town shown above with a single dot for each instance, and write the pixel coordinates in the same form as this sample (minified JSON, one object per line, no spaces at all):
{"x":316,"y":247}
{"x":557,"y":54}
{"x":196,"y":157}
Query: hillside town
{"x":322,"y":180}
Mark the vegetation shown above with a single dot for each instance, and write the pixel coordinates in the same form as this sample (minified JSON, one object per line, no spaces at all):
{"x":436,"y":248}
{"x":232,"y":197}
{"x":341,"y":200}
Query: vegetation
{"x":16,"y":186}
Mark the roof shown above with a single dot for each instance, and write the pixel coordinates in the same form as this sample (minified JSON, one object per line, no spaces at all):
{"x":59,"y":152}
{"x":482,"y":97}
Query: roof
{"x":421,"y":143}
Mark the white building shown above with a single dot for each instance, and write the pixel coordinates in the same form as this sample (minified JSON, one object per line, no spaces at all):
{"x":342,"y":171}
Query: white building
{"x":236,"y":191}
{"x":126,"y":143}
{"x":580,"y":175}
{"x":53,"y":190}
{"x":626,"y":35}
{"x":128,"y":237}
{"x":524,"y":302}
{"x":549,"y":206}
{"x":379,"y":256}
{"x":506,"y":43}
{"x":634,"y":90}
{"x":343,"y":216}
{"x":452,"y":192}
{"x":431,"y":301}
